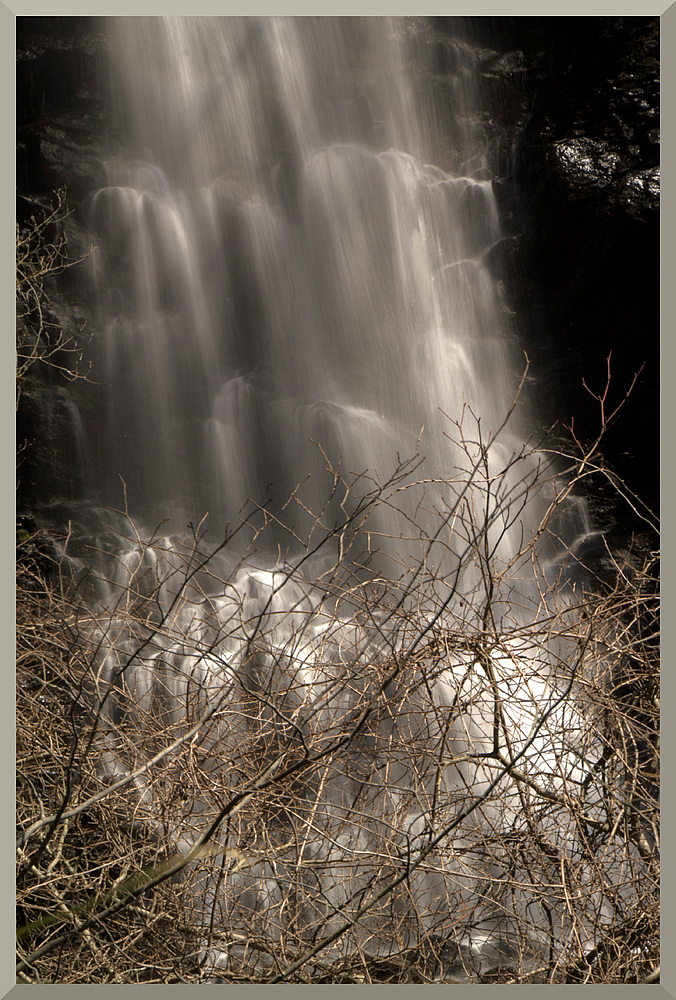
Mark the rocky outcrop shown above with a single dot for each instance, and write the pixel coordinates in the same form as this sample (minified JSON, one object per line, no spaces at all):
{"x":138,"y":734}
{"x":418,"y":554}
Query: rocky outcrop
{"x":62,"y":112}
{"x":586,"y":170}
{"x":572,"y":105}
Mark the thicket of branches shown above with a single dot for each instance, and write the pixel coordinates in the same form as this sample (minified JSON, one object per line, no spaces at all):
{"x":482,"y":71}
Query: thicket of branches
{"x":42,"y":254}
{"x":335,"y":777}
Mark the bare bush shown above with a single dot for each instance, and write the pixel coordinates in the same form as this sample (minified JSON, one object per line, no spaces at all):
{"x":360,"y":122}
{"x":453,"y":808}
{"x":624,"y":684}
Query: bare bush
{"x":318,"y":772}
{"x":42,"y":254}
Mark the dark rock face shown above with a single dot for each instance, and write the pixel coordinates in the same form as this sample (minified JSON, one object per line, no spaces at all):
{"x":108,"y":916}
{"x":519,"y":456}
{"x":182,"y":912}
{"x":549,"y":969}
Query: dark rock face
{"x":570,"y":110}
{"x":62,"y":131}
{"x":587,"y":173}
{"x":62,"y":112}
{"x":573,"y":108}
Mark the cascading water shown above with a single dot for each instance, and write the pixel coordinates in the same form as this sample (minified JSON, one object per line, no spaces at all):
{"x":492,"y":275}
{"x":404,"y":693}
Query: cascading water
{"x":280,"y":268}
{"x":285,"y":287}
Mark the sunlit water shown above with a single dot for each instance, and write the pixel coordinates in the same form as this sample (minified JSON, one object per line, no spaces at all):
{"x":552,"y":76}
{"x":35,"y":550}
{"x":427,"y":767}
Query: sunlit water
{"x":293,"y":300}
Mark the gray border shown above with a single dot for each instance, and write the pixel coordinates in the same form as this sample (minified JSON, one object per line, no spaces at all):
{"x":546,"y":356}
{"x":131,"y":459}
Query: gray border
{"x":480,"y":8}
{"x":489,"y":8}
{"x":7,"y":497}
{"x":667,"y":413}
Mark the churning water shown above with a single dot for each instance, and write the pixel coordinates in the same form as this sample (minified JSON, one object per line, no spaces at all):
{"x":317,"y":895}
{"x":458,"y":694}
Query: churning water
{"x":292,"y":300}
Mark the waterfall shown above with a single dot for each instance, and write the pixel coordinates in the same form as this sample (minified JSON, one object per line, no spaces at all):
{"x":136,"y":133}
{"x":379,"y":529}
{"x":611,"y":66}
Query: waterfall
{"x":284,"y":280}
{"x":293,"y":299}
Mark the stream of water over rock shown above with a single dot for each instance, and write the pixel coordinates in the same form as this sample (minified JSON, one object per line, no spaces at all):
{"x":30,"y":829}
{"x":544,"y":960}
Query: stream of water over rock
{"x":292,"y":301}
{"x":285,"y":280}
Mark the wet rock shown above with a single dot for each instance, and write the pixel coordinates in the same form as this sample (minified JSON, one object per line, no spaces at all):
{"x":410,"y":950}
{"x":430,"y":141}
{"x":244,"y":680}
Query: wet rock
{"x":60,"y":102}
{"x":575,"y":102}
{"x":639,"y":191}
{"x":585,"y":163}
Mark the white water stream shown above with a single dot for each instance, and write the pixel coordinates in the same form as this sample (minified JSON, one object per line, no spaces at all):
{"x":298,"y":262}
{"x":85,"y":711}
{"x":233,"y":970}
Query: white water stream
{"x":290,"y":280}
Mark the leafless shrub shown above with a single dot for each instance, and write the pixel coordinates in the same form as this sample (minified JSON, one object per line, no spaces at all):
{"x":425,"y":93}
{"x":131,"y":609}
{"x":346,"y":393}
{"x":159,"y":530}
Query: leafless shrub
{"x":328,"y":776}
{"x":41,"y":254}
